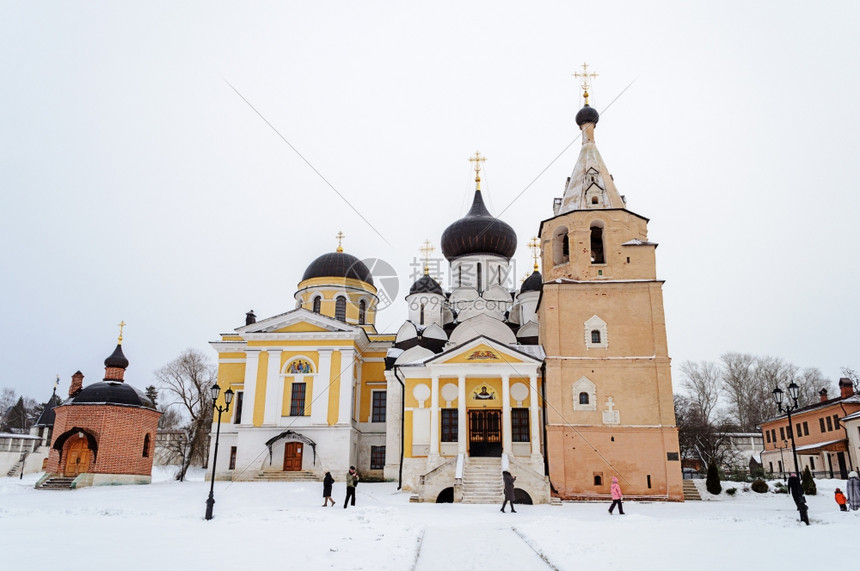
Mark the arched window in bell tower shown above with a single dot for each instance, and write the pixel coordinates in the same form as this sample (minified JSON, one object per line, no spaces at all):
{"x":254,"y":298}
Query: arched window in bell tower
{"x":597,"y":245}
{"x":560,"y":247}
{"x":317,"y":304}
{"x":480,"y":282}
{"x":362,"y":312}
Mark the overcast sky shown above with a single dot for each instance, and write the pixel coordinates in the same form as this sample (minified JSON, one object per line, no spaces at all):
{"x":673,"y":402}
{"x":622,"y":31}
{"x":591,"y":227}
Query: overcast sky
{"x":137,"y":185}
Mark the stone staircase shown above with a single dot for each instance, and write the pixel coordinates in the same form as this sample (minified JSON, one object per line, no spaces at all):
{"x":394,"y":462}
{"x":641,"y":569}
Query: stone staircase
{"x":19,"y":465}
{"x":280,"y":476}
{"x":57,"y":483}
{"x":690,"y":491}
{"x":482,"y":481}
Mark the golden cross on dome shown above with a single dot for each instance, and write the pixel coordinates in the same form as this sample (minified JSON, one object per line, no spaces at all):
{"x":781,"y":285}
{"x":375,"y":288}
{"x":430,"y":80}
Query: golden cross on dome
{"x":583,"y":80}
{"x":121,"y":325}
{"x":477,"y":159}
{"x":340,"y":236}
{"x":534,"y":246}
{"x":427,"y":249}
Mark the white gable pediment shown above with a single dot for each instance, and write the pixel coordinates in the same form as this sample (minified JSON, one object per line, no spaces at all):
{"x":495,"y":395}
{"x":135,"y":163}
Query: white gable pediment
{"x":292,"y":321}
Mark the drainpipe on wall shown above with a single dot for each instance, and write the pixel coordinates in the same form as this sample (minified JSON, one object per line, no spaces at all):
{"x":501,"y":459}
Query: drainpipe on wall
{"x":396,"y":370}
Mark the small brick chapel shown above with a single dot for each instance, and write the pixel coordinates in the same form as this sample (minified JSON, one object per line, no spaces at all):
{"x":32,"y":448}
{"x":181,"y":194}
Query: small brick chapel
{"x":104,"y":434}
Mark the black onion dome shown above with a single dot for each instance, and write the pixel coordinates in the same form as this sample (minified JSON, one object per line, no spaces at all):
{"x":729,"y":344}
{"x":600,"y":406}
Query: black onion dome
{"x":478,"y":232}
{"x":112,"y":392}
{"x":117,"y":359}
{"x":533,"y":283}
{"x":426,"y":284}
{"x":338,"y":265}
{"x":587,"y":114}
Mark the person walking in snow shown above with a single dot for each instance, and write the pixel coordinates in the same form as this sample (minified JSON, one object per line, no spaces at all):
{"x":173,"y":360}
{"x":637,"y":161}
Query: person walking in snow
{"x":796,"y":491}
{"x":327,"y":483}
{"x":509,"y":491}
{"x":351,"y":483}
{"x":617,"y":496}
{"x":852,"y":488}
{"x":840,"y":500}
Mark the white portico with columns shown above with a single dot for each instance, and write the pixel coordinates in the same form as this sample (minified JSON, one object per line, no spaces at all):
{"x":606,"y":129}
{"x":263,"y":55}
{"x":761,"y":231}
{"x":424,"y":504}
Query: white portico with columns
{"x":478,"y":402}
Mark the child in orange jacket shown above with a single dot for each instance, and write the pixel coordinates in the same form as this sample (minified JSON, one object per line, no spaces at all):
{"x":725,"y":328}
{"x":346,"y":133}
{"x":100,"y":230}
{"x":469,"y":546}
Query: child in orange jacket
{"x":840,"y":499}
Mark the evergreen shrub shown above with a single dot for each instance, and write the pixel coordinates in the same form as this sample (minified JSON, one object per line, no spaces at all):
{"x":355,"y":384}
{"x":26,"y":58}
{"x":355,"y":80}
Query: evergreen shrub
{"x":712,"y":483}
{"x":731,"y":491}
{"x":780,"y":488}
{"x":759,"y":486}
{"x":808,"y":483}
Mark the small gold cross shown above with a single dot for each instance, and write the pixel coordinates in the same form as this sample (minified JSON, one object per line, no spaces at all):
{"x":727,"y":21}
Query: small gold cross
{"x":121,"y":325}
{"x":340,"y":236}
{"x":477,"y":159}
{"x":427,"y":249}
{"x":534,"y":246}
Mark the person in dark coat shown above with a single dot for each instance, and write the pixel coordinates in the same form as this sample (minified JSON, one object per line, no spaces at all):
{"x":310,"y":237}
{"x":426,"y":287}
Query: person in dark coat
{"x":796,"y":491}
{"x":509,"y":491}
{"x":351,"y":482}
{"x":852,"y":489}
{"x":327,"y":482}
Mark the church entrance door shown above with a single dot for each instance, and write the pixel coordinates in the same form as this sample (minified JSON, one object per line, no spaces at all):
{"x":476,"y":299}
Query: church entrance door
{"x":485,"y":432}
{"x":77,"y":458}
{"x":292,"y":456}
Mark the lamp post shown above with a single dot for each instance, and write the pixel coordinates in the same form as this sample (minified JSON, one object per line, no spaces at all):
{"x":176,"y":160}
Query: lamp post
{"x":228,"y":398}
{"x":777,"y":397}
{"x":782,"y":458}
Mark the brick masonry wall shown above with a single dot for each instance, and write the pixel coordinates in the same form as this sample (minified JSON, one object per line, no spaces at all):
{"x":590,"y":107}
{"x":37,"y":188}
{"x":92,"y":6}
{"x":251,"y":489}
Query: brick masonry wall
{"x":119,"y":431}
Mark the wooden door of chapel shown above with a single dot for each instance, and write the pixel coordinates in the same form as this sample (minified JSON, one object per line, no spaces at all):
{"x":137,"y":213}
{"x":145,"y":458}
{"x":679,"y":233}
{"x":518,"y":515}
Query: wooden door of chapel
{"x":293,"y":456}
{"x":77,"y":458}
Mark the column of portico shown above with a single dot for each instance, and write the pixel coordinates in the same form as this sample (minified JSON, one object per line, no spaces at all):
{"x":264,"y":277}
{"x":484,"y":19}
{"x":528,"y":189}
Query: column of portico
{"x":506,"y":415}
{"x":252,"y":362}
{"x":534,"y":413}
{"x":319,"y":400}
{"x":344,"y":410}
{"x":274,"y":389}
{"x":434,"y":416}
{"x":461,"y":414}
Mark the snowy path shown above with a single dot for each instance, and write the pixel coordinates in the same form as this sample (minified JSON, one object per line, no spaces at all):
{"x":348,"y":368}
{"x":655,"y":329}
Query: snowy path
{"x":465,"y":548}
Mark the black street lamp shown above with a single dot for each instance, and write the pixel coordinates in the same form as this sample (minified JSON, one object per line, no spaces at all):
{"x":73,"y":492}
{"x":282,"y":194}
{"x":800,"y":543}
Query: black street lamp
{"x":228,"y":398}
{"x":777,"y":397}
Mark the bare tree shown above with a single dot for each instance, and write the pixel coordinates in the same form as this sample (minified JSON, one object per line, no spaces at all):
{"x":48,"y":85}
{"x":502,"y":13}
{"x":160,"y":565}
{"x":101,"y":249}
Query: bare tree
{"x":741,"y":388}
{"x":850,"y":373}
{"x":702,"y":382}
{"x":705,"y":441}
{"x":187,"y":379}
{"x":811,"y":381}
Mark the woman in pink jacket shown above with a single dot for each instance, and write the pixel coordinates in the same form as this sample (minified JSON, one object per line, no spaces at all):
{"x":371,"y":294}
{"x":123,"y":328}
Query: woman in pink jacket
{"x":616,"y":496}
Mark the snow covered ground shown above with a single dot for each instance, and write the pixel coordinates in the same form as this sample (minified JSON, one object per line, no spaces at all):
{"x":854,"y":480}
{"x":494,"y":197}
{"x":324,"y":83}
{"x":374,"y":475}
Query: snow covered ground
{"x":283,"y":526}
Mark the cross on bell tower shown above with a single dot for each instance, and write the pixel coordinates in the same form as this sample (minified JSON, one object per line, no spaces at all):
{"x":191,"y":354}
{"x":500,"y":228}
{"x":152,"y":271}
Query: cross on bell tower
{"x":584,"y":78}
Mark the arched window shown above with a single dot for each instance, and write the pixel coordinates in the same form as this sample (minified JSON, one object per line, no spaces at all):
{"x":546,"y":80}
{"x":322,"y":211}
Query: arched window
{"x":593,"y":200}
{"x":340,"y":309}
{"x":598,"y":480}
{"x":421,"y":316}
{"x":362,"y":312}
{"x":597,"y":245}
{"x":560,"y":247}
{"x":317,"y":304}
{"x":480,"y":283}
{"x":146,"y":446}
{"x":595,"y":336}
{"x":583,"y":398}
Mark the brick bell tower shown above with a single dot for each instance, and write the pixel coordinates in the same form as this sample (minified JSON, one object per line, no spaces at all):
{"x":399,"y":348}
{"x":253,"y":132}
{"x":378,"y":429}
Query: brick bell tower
{"x":610,"y":408}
